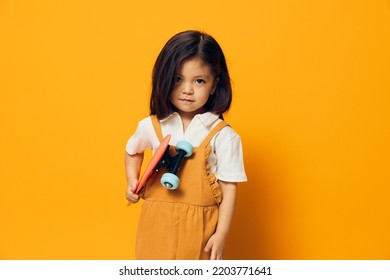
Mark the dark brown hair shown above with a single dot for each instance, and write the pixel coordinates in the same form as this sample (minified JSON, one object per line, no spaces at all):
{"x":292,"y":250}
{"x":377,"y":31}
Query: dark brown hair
{"x":183,"y":46}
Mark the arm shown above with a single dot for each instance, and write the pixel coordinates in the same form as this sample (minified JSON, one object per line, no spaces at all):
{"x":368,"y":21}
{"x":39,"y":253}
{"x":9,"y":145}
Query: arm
{"x":217,"y":241}
{"x":133,"y":166}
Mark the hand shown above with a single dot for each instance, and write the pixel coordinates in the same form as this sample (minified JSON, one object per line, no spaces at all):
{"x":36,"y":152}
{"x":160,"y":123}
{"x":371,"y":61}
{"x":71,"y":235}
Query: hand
{"x":216,"y":245}
{"x":131,"y":196}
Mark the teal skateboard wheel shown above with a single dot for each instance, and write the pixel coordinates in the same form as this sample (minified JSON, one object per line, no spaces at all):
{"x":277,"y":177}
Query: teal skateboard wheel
{"x":184,"y":146}
{"x":170,"y":181}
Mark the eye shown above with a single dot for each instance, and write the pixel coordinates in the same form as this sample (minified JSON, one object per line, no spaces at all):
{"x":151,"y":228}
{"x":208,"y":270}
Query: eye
{"x":200,"y":81}
{"x":178,"y":79}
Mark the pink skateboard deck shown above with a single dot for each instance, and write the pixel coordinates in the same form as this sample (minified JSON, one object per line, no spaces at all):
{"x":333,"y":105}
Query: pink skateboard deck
{"x":153,"y":163}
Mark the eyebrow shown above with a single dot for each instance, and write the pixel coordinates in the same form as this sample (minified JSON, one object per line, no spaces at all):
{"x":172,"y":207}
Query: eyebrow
{"x":197,"y":76}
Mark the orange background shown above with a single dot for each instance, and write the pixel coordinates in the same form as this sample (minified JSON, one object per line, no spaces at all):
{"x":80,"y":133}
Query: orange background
{"x":311,"y":102}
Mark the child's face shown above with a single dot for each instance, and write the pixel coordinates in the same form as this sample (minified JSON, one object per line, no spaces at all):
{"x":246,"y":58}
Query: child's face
{"x":193,"y":86}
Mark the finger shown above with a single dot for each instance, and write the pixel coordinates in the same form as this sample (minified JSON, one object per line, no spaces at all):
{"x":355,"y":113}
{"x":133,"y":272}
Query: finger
{"x":134,"y":187}
{"x":207,"y":247}
{"x":213,"y":255}
{"x":132,"y":195}
{"x":220,"y":256}
{"x":132,"y":198}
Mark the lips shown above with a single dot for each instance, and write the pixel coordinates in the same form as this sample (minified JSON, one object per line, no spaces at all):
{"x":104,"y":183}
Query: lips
{"x":186,"y":100}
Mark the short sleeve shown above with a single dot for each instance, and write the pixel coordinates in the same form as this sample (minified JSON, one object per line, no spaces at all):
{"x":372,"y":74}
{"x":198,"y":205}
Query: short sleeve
{"x":140,"y":140}
{"x":229,"y":154}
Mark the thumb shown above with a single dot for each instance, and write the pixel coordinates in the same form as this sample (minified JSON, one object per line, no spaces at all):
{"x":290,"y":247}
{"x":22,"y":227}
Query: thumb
{"x":134,"y":185}
{"x":208,"y":246}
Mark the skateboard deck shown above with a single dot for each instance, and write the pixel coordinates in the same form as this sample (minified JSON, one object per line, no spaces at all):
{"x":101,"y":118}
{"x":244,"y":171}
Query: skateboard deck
{"x":150,"y":168}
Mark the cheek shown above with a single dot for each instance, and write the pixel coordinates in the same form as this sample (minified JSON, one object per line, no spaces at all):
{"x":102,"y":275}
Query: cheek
{"x":173,"y":94}
{"x":206,"y":96}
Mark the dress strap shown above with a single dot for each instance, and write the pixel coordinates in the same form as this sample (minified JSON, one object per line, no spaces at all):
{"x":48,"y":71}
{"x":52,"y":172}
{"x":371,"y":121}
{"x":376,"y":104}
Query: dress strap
{"x":212,"y":133}
{"x":157,"y":127}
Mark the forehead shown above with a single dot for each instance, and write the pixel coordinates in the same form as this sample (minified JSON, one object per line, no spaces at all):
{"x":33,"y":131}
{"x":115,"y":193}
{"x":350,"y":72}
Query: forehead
{"x":195,"y":66}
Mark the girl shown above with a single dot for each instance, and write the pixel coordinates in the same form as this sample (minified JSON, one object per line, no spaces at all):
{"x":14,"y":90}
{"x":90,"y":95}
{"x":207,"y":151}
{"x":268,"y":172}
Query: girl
{"x":190,"y":92}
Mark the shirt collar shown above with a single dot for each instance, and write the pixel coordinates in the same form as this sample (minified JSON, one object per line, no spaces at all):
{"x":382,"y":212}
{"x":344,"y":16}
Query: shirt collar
{"x":206,"y":119}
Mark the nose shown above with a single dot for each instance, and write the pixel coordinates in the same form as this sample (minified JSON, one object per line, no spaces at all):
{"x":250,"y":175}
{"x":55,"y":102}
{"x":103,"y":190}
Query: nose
{"x":187,"y":88}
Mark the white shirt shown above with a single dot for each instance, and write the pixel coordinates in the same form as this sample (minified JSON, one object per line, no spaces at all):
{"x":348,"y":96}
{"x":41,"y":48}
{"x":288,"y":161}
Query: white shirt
{"x":226,"y":157}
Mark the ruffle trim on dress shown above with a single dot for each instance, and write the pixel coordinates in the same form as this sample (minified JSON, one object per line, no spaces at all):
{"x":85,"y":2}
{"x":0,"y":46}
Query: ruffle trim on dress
{"x":212,"y":179}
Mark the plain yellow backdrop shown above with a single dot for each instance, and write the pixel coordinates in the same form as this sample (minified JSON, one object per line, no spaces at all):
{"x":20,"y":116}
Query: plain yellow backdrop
{"x":311,"y":103}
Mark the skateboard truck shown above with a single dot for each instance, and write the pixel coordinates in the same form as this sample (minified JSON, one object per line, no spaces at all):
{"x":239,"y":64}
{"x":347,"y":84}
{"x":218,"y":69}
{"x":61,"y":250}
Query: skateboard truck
{"x":170,"y":180}
{"x":162,"y":158}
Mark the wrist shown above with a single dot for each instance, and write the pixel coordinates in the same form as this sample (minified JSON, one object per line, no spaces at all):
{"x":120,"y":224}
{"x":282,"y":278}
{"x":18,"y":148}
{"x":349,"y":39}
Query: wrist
{"x":221,"y":234}
{"x":132,"y":182}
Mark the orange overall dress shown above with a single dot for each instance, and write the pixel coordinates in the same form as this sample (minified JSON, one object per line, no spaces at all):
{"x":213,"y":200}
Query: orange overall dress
{"x":176,"y":224}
